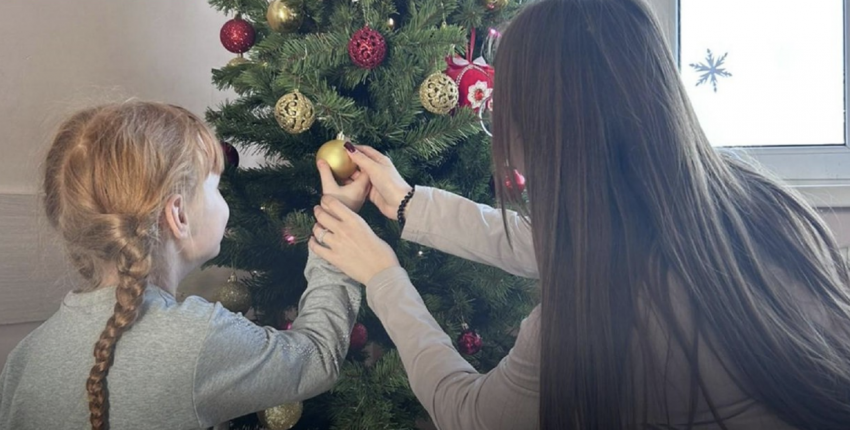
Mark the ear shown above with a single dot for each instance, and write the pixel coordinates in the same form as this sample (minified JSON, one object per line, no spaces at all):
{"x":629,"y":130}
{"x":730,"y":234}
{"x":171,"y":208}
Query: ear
{"x":175,"y":217}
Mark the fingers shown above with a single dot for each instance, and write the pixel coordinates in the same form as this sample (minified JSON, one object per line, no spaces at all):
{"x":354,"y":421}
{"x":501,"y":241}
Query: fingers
{"x":336,"y":209}
{"x":373,"y":154}
{"x":320,"y":250}
{"x":328,"y":182}
{"x":326,"y":219}
{"x":323,"y":236}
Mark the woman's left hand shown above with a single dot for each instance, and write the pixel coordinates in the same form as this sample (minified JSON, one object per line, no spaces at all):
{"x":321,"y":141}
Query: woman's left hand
{"x":353,"y":192}
{"x":349,"y":243}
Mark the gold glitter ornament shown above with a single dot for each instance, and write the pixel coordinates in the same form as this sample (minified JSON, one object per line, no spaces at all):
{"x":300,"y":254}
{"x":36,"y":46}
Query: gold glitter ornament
{"x":334,"y":153}
{"x":294,"y":112}
{"x":238,"y":61}
{"x":282,"y":417}
{"x":283,"y":18}
{"x":438,"y":93}
{"x":234,"y":295}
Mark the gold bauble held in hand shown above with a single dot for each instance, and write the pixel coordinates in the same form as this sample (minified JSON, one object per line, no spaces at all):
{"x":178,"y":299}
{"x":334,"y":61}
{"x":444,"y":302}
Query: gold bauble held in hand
{"x":438,"y":93}
{"x":283,"y":18}
{"x":282,"y":417}
{"x":234,"y":295}
{"x":334,"y":153}
{"x":294,"y":112}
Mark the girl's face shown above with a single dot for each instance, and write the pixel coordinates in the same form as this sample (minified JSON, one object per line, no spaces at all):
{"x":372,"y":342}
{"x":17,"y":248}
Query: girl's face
{"x":209,"y":213}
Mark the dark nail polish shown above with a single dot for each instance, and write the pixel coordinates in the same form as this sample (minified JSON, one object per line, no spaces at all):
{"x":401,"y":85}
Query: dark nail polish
{"x":349,"y":147}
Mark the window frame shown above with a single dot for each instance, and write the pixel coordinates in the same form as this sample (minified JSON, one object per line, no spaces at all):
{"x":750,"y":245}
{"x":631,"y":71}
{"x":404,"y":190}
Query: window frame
{"x":821,"y":173}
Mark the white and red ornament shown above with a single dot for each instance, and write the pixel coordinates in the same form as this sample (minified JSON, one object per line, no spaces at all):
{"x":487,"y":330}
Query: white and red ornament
{"x":237,"y":35}
{"x":367,"y":48}
{"x":474,"y":81}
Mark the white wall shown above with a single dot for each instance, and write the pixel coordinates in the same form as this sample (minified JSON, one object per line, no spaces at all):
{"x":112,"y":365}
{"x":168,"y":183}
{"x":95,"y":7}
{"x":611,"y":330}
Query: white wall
{"x":63,"y":55}
{"x":57,"y":57}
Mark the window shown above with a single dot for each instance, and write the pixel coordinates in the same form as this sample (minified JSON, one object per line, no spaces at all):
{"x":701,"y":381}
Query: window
{"x":765,"y":73}
{"x":779,"y":92}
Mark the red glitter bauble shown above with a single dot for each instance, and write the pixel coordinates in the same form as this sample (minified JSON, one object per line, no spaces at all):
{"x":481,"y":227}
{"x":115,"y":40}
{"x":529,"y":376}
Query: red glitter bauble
{"x":359,"y":336}
{"x":469,"y":342}
{"x":367,"y":48}
{"x":230,"y":154}
{"x":237,"y":35}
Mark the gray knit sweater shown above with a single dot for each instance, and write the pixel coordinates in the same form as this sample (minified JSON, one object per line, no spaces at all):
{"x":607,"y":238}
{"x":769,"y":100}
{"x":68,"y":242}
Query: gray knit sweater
{"x":182,"y":365}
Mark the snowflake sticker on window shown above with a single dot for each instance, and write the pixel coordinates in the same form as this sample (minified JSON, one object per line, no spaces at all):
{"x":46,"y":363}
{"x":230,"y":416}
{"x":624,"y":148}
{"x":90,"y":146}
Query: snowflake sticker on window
{"x":711,"y":69}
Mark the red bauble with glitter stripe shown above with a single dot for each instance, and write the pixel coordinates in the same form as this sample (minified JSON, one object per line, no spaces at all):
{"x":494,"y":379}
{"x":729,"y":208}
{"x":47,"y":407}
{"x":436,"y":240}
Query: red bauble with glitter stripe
{"x":367,"y":48}
{"x":237,"y":35}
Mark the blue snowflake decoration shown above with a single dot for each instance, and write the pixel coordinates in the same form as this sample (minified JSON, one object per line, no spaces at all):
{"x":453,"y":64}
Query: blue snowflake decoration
{"x":711,"y":70}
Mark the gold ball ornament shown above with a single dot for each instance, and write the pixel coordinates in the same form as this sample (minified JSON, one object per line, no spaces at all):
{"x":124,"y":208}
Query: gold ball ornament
{"x":283,"y":18}
{"x":294,"y":112}
{"x":234,"y":295}
{"x":495,"y":4}
{"x":238,"y":61}
{"x":438,"y":93}
{"x":282,"y":417}
{"x":334,"y":153}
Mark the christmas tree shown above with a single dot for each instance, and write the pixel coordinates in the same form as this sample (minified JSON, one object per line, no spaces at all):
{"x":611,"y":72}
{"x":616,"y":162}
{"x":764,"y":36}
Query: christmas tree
{"x":398,"y":75}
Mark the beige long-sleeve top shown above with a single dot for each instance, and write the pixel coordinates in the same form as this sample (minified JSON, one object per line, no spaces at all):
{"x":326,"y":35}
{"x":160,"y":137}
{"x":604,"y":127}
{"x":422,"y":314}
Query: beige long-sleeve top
{"x":457,"y":397}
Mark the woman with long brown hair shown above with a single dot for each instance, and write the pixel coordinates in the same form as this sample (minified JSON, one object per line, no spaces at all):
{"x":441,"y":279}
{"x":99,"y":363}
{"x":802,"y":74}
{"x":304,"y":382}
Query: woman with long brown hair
{"x":681,"y":287}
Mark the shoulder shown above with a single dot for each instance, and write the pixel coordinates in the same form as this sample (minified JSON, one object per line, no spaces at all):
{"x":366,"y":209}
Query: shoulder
{"x":185,"y":324}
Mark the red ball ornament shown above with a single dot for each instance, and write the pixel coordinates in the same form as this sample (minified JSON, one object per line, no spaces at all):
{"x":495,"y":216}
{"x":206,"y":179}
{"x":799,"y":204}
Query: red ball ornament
{"x":237,"y":35}
{"x":230,"y":154}
{"x":469,"y":342}
{"x":367,"y":48}
{"x":474,"y":81}
{"x":359,"y":337}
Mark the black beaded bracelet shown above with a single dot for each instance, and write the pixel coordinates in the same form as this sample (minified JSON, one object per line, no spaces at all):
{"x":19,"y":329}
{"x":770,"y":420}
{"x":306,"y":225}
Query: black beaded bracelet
{"x":403,"y":204}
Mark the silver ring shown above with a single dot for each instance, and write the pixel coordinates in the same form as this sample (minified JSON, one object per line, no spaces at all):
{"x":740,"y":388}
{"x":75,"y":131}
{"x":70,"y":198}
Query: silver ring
{"x":320,"y":238}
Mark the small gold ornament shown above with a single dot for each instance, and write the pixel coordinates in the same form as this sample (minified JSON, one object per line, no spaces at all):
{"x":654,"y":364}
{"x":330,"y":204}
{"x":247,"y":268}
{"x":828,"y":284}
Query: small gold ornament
{"x":495,"y":4}
{"x":238,"y":61}
{"x":334,"y":153}
{"x":282,"y":417}
{"x":294,"y":112}
{"x":391,"y":23}
{"x":283,"y":18}
{"x":438,"y":93}
{"x":234,"y":295}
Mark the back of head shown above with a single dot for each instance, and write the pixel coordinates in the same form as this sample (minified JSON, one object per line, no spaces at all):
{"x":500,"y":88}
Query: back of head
{"x":107,"y":177}
{"x":624,"y":189}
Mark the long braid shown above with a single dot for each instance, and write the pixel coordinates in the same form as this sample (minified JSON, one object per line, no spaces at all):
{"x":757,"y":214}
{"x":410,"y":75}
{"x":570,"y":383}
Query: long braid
{"x":134,"y":266}
{"x":107,"y":177}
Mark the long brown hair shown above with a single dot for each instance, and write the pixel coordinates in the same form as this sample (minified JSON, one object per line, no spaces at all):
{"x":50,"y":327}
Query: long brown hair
{"x":107,"y":176}
{"x":630,"y":205}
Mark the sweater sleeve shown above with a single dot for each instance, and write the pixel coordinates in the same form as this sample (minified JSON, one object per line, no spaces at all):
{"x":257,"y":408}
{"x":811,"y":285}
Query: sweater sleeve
{"x":476,"y":232}
{"x":455,"y":395}
{"x":243,"y":368}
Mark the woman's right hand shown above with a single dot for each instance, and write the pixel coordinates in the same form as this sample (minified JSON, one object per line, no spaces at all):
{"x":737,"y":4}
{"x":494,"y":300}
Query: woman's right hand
{"x":388,"y":187}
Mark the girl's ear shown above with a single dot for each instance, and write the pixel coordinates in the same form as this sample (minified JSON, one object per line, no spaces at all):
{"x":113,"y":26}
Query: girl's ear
{"x":175,"y":217}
